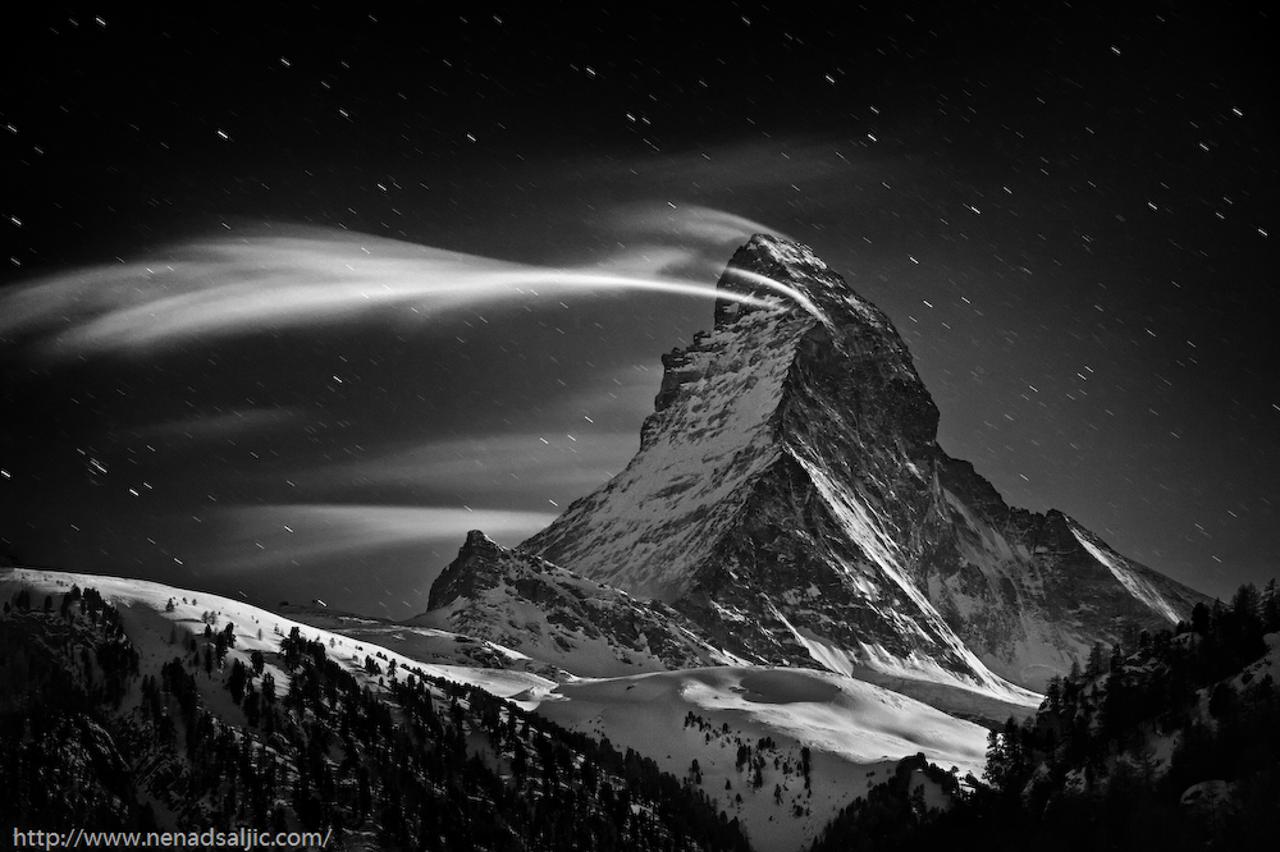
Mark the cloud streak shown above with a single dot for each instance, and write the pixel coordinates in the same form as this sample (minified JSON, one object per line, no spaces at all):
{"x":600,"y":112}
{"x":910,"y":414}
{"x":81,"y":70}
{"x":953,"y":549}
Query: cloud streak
{"x":532,"y":465}
{"x":685,"y":223}
{"x":230,"y":286}
{"x":224,"y":424}
{"x":294,"y":534}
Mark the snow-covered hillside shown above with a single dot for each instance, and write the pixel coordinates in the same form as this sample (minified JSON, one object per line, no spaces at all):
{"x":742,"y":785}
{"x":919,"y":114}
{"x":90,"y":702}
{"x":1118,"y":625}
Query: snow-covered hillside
{"x":155,"y":630}
{"x":134,"y":705}
{"x":851,"y":729}
{"x":854,"y":731}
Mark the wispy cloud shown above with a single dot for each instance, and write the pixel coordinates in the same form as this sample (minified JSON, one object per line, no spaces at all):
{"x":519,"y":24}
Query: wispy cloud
{"x":623,"y":397}
{"x":686,"y":225}
{"x":277,"y":280}
{"x":293,"y":534}
{"x":586,"y":438}
{"x":223,"y":424}
{"x":526,"y":465}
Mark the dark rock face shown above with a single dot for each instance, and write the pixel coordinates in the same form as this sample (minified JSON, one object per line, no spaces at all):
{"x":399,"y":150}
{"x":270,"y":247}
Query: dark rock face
{"x":789,"y":497}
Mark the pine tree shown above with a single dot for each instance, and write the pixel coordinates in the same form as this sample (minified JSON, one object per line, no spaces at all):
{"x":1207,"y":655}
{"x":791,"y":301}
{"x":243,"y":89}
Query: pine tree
{"x":220,"y":645}
{"x":1200,"y":618}
{"x":1094,"y":669}
{"x":236,"y":682}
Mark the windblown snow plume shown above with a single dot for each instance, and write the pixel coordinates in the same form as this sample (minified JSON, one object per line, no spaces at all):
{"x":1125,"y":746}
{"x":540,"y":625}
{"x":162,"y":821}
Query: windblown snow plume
{"x":279,"y":279}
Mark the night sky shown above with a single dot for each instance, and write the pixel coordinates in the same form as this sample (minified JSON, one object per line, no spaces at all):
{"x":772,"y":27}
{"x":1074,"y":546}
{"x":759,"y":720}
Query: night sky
{"x":290,"y":303}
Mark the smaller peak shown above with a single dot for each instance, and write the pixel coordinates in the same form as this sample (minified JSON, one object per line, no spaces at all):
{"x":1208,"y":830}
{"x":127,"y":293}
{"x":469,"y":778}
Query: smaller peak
{"x":1062,"y":523}
{"x":477,"y":538}
{"x":761,"y":238}
{"x":478,"y":557}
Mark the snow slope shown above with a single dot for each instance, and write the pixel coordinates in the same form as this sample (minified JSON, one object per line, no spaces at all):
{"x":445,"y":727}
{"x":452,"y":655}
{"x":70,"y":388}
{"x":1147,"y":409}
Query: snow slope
{"x":182,"y":757}
{"x":1140,"y":587}
{"x":855,"y":730}
{"x":856,"y":733}
{"x":648,"y":525}
{"x":142,"y":606}
{"x":425,"y":644}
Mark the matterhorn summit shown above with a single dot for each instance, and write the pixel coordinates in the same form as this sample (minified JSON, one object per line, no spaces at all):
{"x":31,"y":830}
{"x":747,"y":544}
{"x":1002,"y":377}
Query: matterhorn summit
{"x":790,"y":498}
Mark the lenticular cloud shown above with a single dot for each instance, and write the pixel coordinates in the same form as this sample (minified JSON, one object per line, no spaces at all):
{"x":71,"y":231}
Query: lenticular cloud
{"x":220,"y":287}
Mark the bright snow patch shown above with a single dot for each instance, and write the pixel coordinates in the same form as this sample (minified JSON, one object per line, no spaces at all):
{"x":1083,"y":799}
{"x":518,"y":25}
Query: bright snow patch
{"x":1137,"y":586}
{"x":856,"y":731}
{"x":142,"y":606}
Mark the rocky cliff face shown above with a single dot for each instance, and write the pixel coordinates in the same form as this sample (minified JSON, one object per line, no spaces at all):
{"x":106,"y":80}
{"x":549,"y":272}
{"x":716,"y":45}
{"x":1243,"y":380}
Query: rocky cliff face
{"x":791,"y":500}
{"x":577,"y":625}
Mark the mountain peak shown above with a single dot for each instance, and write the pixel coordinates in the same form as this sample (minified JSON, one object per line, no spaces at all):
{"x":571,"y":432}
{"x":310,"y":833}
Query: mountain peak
{"x":791,"y":276}
{"x":771,"y":249}
{"x":477,"y":540}
{"x":765,"y":384}
{"x":758,"y":267}
{"x":476,"y":557}
{"x":790,"y":496}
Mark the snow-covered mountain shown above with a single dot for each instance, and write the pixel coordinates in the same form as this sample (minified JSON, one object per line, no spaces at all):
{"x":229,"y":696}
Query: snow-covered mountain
{"x":790,"y":499}
{"x":789,"y":588}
